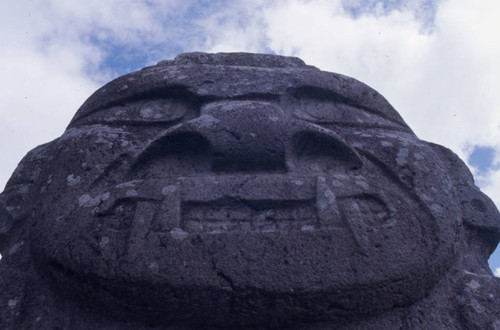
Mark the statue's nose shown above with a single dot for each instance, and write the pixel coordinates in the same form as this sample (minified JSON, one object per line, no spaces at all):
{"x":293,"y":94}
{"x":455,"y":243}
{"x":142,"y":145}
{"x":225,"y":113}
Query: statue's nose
{"x":247,"y":136}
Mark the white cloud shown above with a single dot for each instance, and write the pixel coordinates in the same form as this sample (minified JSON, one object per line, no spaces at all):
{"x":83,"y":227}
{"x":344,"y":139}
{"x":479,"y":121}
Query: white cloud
{"x":497,"y":272}
{"x":232,"y":26}
{"x":41,"y":87}
{"x":116,"y":20}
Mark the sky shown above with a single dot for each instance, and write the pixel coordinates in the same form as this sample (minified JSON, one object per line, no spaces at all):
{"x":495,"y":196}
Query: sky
{"x":436,"y":61}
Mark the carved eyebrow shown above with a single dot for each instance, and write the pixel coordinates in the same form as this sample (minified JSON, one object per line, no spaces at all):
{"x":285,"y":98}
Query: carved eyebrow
{"x":365,"y":126}
{"x":321,"y":94}
{"x":178,"y":92}
{"x":252,"y":96}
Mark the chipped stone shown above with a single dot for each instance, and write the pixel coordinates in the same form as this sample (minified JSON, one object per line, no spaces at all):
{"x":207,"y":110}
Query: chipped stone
{"x":104,"y":241}
{"x":474,"y":285}
{"x":131,"y":193}
{"x":178,"y":234}
{"x":129,"y":184}
{"x":402,"y":157}
{"x":146,"y":113}
{"x":87,"y":201}
{"x":13,"y":302}
{"x":362,"y":184}
{"x":168,"y":190}
{"x":477,"y":306}
{"x":84,"y":199}
{"x":15,"y":247}
{"x":206,"y":120}
{"x":73,"y":180}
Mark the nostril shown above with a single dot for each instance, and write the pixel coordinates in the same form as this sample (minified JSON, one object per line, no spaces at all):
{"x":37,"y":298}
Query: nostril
{"x":181,"y":153}
{"x":183,"y":143}
{"x":317,"y":152}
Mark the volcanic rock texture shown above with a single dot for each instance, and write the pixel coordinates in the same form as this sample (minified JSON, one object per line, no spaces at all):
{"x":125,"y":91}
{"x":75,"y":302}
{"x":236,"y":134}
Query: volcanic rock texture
{"x":244,"y":191}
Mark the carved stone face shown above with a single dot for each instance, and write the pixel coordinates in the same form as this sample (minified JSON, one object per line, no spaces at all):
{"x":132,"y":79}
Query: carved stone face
{"x":200,"y":182}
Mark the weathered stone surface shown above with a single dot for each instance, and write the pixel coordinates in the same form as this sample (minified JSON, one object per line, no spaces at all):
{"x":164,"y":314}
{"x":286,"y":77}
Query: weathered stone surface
{"x":244,"y":190}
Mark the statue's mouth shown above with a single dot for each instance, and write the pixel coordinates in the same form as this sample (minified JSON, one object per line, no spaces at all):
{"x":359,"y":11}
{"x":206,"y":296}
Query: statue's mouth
{"x":253,"y":203}
{"x":241,"y":215}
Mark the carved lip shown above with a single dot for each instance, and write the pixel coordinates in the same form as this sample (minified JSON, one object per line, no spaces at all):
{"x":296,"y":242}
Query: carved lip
{"x":256,"y":203}
{"x":264,"y":203}
{"x":276,"y":203}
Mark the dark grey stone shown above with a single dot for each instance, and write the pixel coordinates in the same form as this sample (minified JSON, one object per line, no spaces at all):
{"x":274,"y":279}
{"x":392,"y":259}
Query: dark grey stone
{"x":244,"y":191}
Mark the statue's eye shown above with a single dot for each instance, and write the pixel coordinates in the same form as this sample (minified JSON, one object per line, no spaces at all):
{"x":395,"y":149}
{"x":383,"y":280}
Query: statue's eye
{"x":142,"y":112}
{"x":324,"y":107}
{"x":327,"y":111}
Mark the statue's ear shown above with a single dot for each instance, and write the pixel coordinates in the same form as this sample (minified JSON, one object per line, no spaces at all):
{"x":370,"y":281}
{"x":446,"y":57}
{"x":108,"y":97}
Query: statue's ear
{"x":17,"y":198}
{"x":6,"y":222}
{"x":478,"y":210}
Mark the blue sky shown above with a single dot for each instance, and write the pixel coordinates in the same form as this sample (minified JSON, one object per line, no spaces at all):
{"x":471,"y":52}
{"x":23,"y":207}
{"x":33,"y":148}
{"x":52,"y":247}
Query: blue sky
{"x":436,"y":61}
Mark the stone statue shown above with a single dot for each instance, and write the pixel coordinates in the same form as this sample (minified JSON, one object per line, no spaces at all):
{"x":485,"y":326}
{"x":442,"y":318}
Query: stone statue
{"x":244,"y":191}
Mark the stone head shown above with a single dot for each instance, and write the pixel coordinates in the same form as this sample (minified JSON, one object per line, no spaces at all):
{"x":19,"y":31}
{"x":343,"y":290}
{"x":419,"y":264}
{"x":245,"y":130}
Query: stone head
{"x":239,"y":189}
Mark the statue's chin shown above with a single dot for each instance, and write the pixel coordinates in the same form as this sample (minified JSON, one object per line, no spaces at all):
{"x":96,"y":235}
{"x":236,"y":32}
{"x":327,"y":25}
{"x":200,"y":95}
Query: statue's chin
{"x":219,"y":272}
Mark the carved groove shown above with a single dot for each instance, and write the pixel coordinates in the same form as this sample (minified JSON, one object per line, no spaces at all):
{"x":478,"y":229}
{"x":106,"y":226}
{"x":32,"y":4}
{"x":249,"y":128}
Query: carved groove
{"x":237,"y":215}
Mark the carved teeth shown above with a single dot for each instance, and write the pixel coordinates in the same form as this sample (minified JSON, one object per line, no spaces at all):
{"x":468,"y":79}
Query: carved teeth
{"x":364,"y":213}
{"x":353,"y":217}
{"x":263,"y":203}
{"x":326,"y":203}
{"x":257,"y":203}
{"x":237,"y":215}
{"x":170,"y":211}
